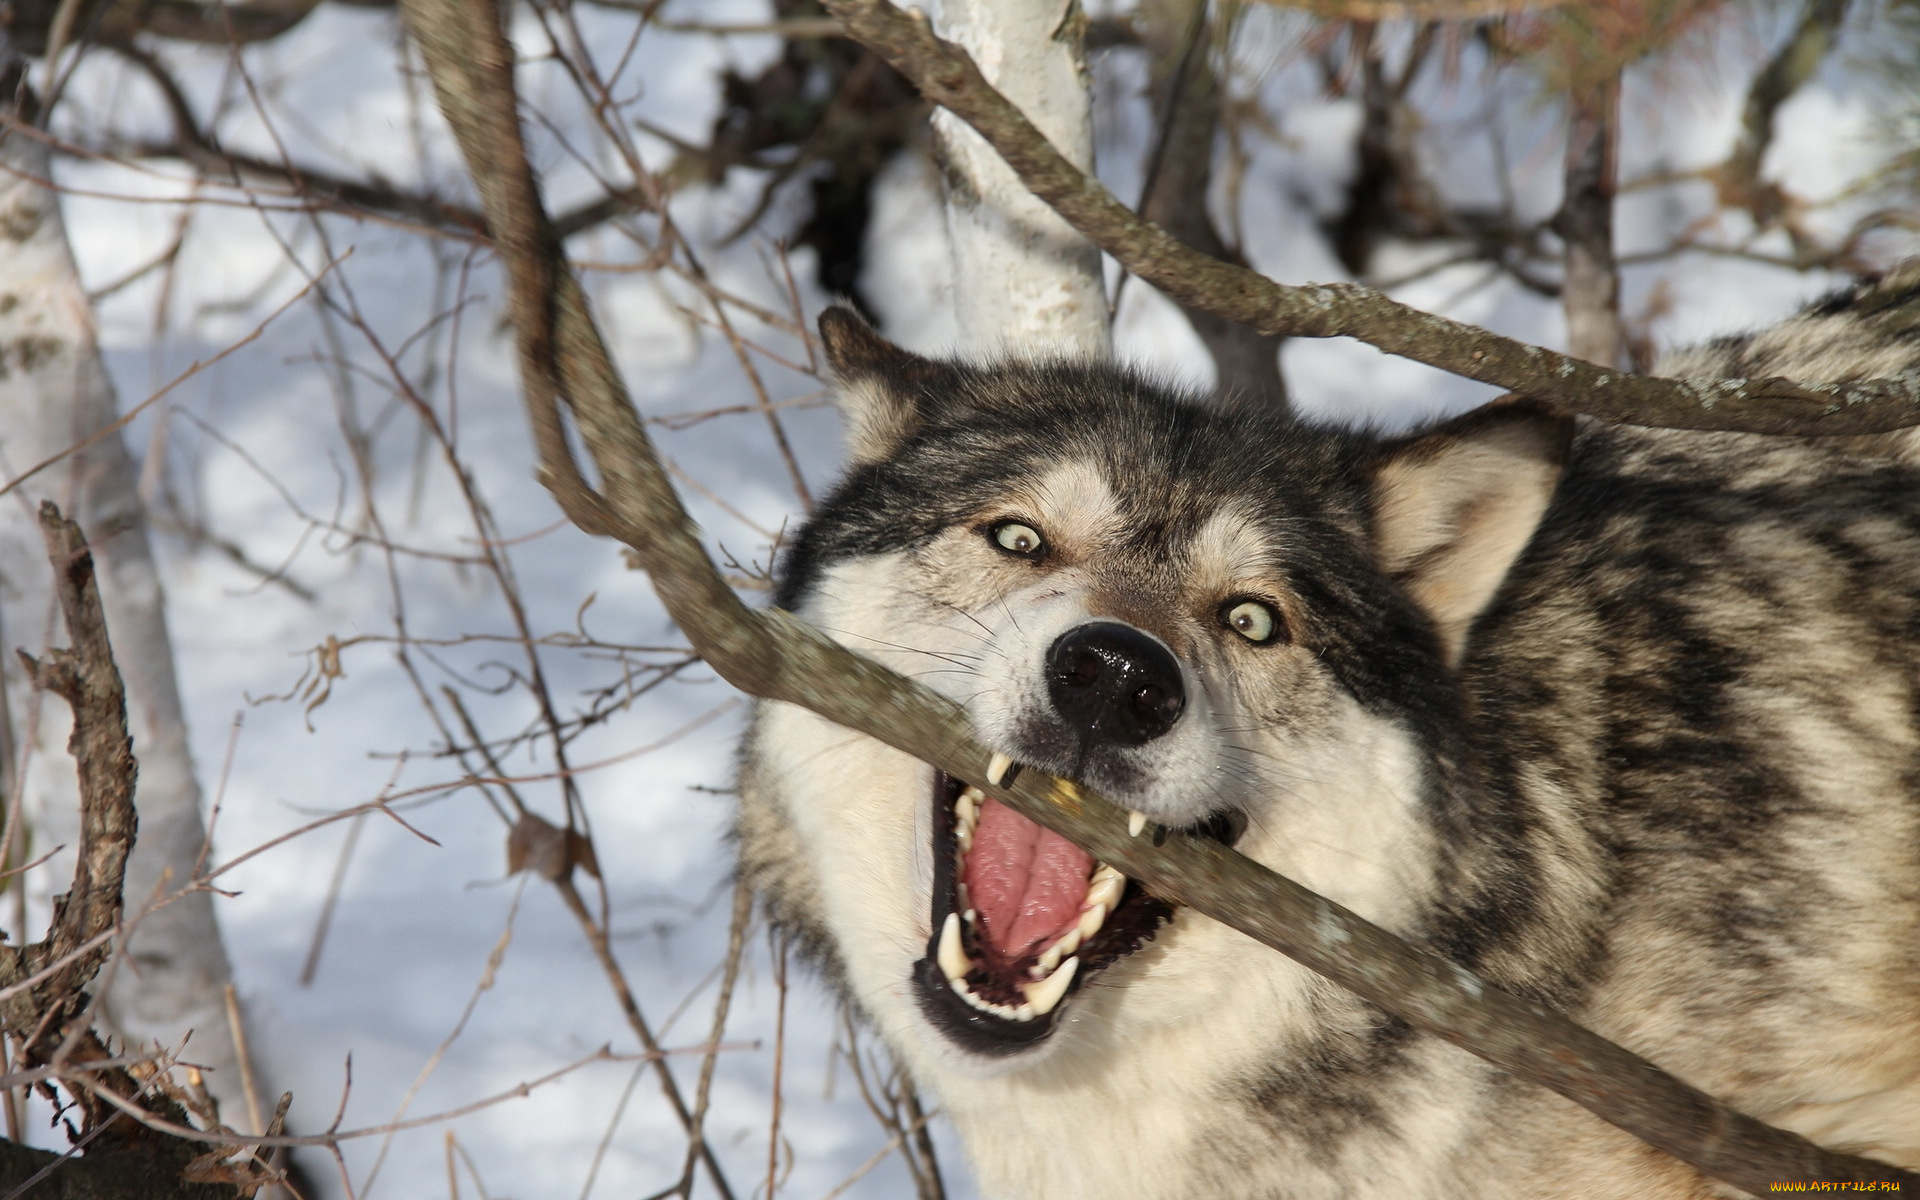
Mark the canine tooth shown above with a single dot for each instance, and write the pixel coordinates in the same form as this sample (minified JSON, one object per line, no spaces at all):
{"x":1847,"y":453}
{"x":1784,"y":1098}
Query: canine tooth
{"x":1043,"y":997}
{"x":953,"y":956}
{"x":997,"y":766}
{"x":1136,"y":821}
{"x":1091,"y":920}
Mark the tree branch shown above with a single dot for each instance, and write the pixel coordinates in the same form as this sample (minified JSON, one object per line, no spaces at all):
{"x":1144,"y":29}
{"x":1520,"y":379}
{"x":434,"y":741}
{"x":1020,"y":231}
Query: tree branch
{"x":199,"y":147}
{"x":45,"y":1005}
{"x":774,"y":655}
{"x":1591,"y":293}
{"x":1738,"y":178}
{"x":87,"y":679}
{"x":946,"y":75}
{"x":31,"y":22}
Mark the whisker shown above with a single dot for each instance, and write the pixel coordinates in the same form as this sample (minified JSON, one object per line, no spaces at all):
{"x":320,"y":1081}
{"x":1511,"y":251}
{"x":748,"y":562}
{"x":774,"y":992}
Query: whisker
{"x":954,"y":657}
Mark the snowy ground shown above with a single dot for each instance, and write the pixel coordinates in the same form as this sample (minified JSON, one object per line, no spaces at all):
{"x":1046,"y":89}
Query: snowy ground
{"x":256,"y":445}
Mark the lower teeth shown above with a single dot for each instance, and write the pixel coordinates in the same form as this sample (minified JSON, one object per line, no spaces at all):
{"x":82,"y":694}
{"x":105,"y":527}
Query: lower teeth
{"x":1049,"y":976}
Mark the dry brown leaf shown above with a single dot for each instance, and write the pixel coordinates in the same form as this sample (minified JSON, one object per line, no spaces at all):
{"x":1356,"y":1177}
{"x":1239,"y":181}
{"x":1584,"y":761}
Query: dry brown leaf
{"x":538,"y":845}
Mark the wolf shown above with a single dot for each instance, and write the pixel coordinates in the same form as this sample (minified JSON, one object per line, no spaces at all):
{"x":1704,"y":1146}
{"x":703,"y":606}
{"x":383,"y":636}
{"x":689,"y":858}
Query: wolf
{"x":1626,"y":720}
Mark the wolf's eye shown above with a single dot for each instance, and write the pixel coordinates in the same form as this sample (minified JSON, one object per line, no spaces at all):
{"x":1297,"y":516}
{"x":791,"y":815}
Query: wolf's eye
{"x":1250,"y":619}
{"x":1016,"y":538}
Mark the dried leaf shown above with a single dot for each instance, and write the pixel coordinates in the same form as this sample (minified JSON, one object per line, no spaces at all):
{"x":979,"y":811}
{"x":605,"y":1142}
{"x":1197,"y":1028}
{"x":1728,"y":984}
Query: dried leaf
{"x":246,"y":1174}
{"x":580,"y":852}
{"x":536,"y":844}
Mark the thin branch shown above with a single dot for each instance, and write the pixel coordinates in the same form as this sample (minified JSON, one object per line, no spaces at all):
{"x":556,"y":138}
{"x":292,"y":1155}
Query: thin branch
{"x":1738,"y":178}
{"x":198,"y":366}
{"x":932,"y":1187}
{"x":722,"y":1005}
{"x":775,"y":655}
{"x":946,"y":75}
{"x":334,"y":1135}
{"x":630,"y":1007}
{"x":792,"y":27}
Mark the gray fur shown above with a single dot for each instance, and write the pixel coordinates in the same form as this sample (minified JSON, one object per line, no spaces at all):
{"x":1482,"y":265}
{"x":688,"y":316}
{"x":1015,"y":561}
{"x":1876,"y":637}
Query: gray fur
{"x":1659,"y":769}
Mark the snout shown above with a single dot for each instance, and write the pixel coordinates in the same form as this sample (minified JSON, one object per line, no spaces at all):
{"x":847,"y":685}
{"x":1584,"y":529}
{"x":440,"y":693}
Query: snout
{"x":1115,"y":682}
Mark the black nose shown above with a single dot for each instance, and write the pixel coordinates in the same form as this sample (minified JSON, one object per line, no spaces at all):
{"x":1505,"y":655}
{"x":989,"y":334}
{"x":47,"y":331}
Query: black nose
{"x":1116,"y":681}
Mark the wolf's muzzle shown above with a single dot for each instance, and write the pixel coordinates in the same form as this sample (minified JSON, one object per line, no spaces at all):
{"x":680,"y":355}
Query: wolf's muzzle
{"x":1116,"y":682}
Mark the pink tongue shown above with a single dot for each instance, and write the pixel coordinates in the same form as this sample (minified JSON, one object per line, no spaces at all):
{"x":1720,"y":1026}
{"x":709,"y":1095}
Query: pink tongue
{"x":1025,"y":882}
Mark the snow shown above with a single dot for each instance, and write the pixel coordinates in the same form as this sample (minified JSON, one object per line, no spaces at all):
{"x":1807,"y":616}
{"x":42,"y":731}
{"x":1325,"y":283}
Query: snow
{"x":257,"y":447}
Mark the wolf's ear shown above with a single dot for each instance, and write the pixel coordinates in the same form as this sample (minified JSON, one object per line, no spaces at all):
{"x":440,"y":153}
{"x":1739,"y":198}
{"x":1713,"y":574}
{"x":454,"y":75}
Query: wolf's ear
{"x":882,"y":390}
{"x":1454,"y":507}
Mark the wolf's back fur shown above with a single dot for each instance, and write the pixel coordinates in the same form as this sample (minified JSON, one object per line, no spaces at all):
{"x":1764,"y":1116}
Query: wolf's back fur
{"x":1629,"y":722}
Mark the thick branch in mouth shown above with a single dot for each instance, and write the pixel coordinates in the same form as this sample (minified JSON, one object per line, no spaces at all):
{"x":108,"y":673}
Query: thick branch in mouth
{"x":1021,"y":919}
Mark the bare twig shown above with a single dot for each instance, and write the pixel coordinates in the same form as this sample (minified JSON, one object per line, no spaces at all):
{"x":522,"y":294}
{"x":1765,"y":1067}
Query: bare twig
{"x":335,"y":1135}
{"x":932,"y":1186}
{"x":198,"y":367}
{"x":722,"y":1005}
{"x":777,"y":947}
{"x":558,"y":868}
{"x":603,"y":950}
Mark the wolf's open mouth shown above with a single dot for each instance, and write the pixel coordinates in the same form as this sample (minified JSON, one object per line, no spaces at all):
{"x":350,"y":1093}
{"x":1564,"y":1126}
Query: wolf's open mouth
{"x":1021,"y":919}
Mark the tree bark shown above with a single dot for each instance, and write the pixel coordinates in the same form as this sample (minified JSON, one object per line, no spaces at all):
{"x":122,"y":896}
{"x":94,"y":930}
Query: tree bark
{"x":54,"y":395}
{"x":1024,"y":280}
{"x":130,"y":1175}
{"x":1591,"y":292}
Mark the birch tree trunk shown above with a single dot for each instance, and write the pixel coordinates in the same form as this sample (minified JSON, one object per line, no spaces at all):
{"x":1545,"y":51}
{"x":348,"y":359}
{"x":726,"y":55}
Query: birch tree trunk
{"x":55,"y":394}
{"x":1591,"y":292}
{"x":1024,"y":280}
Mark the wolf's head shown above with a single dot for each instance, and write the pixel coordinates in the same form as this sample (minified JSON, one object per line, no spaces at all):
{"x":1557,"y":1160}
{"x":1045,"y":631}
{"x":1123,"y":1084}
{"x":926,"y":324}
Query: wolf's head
{"x":1217,"y":616}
